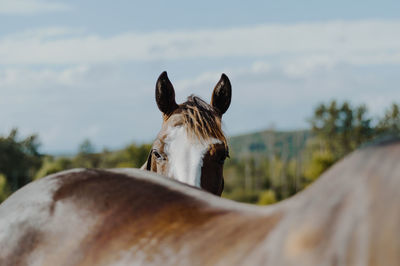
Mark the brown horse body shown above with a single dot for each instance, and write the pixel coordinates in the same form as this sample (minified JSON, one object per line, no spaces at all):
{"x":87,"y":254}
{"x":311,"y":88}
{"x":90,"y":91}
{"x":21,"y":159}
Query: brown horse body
{"x":350,"y":216}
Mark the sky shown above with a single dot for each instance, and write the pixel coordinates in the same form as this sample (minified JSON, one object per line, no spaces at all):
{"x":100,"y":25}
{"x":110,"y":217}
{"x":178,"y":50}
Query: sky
{"x":75,"y":70}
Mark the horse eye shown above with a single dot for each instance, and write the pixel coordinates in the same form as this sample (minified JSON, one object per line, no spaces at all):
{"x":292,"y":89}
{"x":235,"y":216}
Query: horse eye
{"x":158,"y":155}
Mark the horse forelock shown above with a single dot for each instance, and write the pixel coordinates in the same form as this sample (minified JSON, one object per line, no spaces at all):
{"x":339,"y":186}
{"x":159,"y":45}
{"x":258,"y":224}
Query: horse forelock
{"x":200,"y":120}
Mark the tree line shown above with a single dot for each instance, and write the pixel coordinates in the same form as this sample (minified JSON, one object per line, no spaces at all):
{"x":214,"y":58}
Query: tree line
{"x":336,"y":130}
{"x":262,"y":178}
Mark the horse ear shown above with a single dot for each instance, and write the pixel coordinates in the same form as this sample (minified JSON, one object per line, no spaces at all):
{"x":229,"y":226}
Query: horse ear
{"x":221,"y":97}
{"x":165,"y":94}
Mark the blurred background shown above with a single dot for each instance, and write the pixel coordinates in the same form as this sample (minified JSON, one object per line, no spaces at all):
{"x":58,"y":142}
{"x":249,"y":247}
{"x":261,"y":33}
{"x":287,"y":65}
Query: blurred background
{"x":312,"y":81}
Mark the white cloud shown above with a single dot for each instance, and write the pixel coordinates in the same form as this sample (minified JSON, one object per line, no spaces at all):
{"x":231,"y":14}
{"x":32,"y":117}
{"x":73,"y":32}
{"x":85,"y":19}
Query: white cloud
{"x":67,"y":84}
{"x":286,"y":94}
{"x":69,"y":104}
{"x":20,"y":78}
{"x":46,"y":33}
{"x":204,"y":78}
{"x":24,"y":7}
{"x":355,"y":42}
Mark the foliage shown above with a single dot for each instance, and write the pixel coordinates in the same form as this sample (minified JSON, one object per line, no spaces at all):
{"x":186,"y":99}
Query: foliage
{"x":131,"y":156}
{"x":51,"y":165}
{"x":4,"y":188}
{"x":341,"y":129}
{"x":270,"y":162}
{"x":19,"y":159}
{"x":265,"y":167}
{"x":390,"y":123}
{"x":242,"y":195}
{"x":267,"y":197}
{"x":320,"y":161}
{"x":248,"y":178}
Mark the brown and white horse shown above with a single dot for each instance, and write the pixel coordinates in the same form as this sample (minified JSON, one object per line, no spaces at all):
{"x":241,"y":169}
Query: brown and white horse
{"x":350,"y":216}
{"x":191,"y":146}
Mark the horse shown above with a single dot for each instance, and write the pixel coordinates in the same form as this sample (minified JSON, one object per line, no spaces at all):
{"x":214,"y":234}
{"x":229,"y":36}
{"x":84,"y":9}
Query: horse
{"x":191,"y":146}
{"x":349,"y":216}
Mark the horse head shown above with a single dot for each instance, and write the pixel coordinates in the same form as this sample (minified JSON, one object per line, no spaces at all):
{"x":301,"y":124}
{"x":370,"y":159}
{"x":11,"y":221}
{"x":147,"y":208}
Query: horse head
{"x":191,"y":146}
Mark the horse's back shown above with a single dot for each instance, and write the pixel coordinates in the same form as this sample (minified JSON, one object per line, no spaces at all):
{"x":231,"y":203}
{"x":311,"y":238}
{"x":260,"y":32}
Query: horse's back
{"x":100,"y":217}
{"x":350,"y":216}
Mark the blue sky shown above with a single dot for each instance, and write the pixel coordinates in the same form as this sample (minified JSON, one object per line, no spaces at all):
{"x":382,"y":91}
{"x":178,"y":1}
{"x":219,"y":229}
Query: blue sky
{"x":71,"y":70}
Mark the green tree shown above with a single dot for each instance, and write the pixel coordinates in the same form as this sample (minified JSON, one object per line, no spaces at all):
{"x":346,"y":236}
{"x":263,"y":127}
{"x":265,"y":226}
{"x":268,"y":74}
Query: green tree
{"x":53,"y":165}
{"x":320,"y":161}
{"x":341,"y":129}
{"x":267,"y":197}
{"x":390,"y":122}
{"x":86,"y":156}
{"x":19,"y":159}
{"x":86,"y":147}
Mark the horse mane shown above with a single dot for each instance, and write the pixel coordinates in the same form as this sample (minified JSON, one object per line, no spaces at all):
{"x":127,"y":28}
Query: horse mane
{"x":201,"y":120}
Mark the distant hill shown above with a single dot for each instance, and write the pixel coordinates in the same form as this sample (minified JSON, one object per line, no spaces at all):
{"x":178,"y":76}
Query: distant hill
{"x":283,"y":143}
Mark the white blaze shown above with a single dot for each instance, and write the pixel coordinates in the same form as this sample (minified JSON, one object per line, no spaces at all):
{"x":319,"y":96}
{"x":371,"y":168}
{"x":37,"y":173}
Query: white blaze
{"x":185,"y":155}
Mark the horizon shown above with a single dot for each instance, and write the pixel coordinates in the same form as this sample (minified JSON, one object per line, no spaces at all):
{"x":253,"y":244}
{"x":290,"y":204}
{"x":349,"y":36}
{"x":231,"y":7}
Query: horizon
{"x":73,"y":152}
